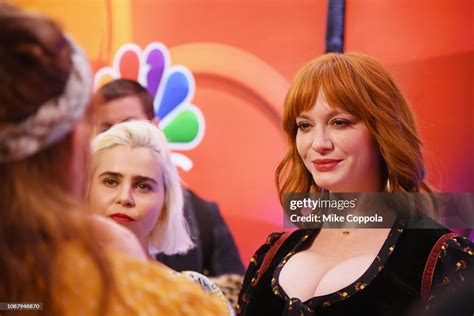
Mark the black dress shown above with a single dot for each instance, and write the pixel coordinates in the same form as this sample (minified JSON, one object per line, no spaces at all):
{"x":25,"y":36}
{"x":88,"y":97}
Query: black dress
{"x":390,"y":286}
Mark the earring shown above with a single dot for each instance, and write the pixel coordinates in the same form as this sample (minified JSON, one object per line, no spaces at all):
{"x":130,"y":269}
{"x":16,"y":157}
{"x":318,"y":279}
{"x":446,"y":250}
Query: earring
{"x":388,"y":186}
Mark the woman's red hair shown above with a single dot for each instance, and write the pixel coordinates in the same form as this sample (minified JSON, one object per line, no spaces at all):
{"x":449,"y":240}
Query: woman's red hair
{"x":363,"y":87}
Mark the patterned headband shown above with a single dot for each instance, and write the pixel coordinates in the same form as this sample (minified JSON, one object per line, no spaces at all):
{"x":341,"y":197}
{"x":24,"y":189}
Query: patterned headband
{"x":54,"y":119}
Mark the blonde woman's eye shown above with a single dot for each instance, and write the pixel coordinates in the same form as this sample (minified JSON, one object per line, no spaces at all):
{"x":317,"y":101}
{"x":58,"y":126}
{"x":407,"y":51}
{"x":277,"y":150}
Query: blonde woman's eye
{"x":144,"y":187}
{"x":110,"y":182}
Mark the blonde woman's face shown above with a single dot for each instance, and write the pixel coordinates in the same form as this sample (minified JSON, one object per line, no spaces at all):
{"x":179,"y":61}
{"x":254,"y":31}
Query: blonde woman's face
{"x":338,"y":149}
{"x":127,"y":186}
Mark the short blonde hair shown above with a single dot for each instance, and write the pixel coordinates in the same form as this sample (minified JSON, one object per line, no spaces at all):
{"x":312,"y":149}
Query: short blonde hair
{"x":171,"y":233}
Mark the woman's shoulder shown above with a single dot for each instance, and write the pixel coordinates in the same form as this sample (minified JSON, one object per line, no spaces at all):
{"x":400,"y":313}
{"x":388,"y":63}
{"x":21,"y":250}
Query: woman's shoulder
{"x":143,"y":287}
{"x":277,"y":244}
{"x":449,"y":257}
{"x":455,"y":259}
{"x":277,"y":241}
{"x":160,"y":284}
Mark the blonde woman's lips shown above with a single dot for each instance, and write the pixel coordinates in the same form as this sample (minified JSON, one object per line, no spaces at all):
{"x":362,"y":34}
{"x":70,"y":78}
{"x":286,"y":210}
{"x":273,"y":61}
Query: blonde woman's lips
{"x":121,"y":218}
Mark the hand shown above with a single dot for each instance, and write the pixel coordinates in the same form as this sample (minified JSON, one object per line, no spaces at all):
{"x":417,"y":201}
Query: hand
{"x":115,"y":237}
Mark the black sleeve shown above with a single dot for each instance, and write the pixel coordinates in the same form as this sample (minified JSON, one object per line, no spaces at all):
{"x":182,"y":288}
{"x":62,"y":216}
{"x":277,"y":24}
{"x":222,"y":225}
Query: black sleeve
{"x":225,"y":257}
{"x":219,"y":252}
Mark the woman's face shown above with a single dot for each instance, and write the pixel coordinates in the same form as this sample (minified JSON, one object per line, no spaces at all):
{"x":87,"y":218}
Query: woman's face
{"x":127,"y":186}
{"x":338,"y":149}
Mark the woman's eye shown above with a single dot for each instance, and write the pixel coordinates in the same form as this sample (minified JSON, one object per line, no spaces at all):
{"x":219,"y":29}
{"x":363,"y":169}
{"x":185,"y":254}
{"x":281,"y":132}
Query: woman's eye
{"x":144,"y":187}
{"x":339,"y":123}
{"x":110,"y":182}
{"x":303,"y":126}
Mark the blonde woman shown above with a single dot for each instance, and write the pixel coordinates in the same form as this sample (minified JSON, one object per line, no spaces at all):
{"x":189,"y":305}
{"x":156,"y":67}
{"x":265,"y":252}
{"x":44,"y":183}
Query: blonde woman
{"x":135,"y":183}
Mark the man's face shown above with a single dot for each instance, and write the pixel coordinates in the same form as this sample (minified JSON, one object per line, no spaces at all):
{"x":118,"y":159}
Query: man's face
{"x":116,"y":111}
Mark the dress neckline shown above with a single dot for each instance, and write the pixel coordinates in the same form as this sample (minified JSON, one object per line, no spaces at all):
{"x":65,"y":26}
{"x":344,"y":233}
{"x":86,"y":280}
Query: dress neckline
{"x":363,"y":281}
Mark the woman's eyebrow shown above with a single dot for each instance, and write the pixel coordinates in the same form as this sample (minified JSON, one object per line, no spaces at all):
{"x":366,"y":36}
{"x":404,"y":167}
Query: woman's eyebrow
{"x":303,"y":116}
{"x":111,"y":173}
{"x":144,"y":178}
{"x":332,"y":113}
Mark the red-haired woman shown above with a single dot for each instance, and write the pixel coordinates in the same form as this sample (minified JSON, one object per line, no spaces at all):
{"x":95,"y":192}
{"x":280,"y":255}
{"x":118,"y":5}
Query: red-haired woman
{"x":350,"y":129}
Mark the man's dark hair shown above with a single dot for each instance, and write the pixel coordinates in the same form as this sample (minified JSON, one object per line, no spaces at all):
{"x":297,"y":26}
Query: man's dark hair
{"x":121,"y":88}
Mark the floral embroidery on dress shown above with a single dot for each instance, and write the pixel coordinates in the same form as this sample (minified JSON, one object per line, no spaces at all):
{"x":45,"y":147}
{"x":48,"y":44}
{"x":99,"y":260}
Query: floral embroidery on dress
{"x":453,"y":266}
{"x":345,"y":293}
{"x":360,"y":286}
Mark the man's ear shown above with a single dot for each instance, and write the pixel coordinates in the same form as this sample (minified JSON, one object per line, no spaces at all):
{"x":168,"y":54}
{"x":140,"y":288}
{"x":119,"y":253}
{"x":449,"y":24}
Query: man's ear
{"x":155,"y":121}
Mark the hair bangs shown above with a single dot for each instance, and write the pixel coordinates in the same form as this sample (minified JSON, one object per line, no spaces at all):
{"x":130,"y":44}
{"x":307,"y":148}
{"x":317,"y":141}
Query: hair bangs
{"x":341,"y":85}
{"x":301,"y":97}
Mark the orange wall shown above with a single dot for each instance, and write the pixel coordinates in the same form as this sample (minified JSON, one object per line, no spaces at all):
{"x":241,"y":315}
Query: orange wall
{"x":243,"y":55}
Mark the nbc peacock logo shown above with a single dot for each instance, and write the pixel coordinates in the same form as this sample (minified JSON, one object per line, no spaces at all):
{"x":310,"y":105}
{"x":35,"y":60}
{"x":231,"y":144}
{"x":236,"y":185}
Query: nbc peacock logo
{"x":172,"y":88}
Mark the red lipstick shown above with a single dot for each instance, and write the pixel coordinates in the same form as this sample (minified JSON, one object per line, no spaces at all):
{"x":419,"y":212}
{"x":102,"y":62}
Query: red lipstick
{"x":324,"y":165}
{"x":121,"y":218}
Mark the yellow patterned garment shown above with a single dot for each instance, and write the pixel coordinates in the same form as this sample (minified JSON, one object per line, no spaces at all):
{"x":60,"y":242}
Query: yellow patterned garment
{"x":209,"y":287}
{"x":145,"y":288}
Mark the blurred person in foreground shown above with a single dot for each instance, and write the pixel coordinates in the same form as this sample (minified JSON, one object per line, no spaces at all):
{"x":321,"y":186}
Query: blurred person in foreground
{"x":52,"y":252}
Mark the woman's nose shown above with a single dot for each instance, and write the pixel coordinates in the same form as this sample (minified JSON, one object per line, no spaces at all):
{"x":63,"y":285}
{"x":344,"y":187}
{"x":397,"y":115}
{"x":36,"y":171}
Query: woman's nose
{"x":125,"y":197}
{"x":322,"y":141}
